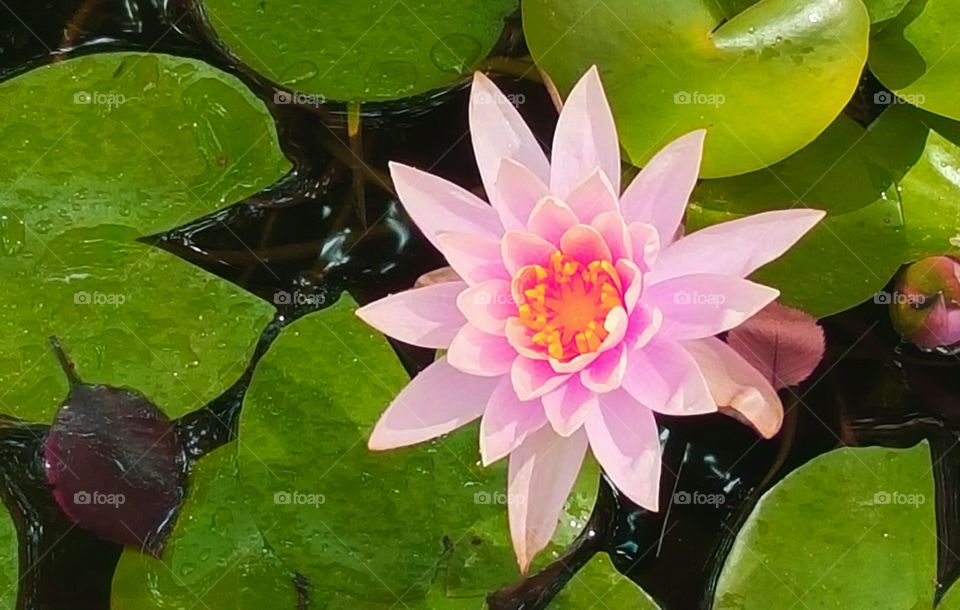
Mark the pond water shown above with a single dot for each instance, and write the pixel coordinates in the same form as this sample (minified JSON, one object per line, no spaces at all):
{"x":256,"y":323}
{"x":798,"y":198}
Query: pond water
{"x":330,"y":226}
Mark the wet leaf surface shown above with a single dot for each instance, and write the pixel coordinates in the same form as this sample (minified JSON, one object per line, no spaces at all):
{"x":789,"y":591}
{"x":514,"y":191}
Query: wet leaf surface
{"x":215,"y":557}
{"x":369,"y":51}
{"x":672,"y":67}
{"x":854,"y":251}
{"x":853,"y":528}
{"x":8,"y":561}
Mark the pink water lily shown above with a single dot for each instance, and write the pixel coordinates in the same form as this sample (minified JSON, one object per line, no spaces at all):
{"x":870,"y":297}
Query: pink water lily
{"x":580,"y":312}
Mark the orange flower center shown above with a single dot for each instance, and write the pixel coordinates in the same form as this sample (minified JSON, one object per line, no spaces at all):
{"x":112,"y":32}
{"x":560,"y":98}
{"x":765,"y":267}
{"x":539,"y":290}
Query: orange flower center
{"x":565,"y":304}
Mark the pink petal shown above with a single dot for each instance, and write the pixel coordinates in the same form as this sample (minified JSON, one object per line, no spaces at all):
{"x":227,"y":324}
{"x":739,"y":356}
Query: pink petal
{"x":704,"y":305}
{"x":507,"y":421}
{"x":592,"y":197}
{"x":586,"y":138}
{"x":783,"y":343}
{"x":659,"y":194}
{"x":664,"y":377}
{"x":644,"y":325}
{"x":737,"y":386}
{"x":550,"y":219}
{"x":632,"y":281}
{"x":542,"y":472}
{"x":625,"y":440}
{"x":518,"y":191}
{"x":522,"y":249}
{"x":606,"y":373}
{"x":437,"y":276}
{"x":436,"y":401}
{"x":738,"y":247}
{"x":422,"y":316}
{"x":499,"y":132}
{"x":436,"y":205}
{"x":534,"y":378}
{"x":475,"y":258}
{"x":568,"y":406}
{"x":478,"y":353}
{"x":584,"y":244}
{"x":487,"y":305}
{"x":646,"y":244}
{"x":519,"y":337}
{"x":615,"y":233}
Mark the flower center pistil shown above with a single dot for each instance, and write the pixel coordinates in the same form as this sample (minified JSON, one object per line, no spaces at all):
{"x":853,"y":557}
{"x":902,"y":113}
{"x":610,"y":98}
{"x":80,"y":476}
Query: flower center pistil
{"x":566,"y":303}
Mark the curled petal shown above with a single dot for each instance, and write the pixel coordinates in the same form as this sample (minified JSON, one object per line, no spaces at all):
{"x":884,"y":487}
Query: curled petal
{"x":615,"y":233}
{"x":696,"y":306}
{"x":606,"y":373}
{"x":584,"y":244}
{"x":646,"y":244}
{"x":625,"y":440}
{"x":478,"y":353}
{"x":436,"y":401}
{"x":737,"y":386}
{"x":422,"y":316}
{"x":664,"y":377}
{"x":499,"y":132}
{"x":507,"y":421}
{"x":519,"y":337}
{"x":488,"y":305}
{"x":758,"y":239}
{"x":586,"y":138}
{"x":659,"y":194}
{"x":550,"y":219}
{"x":475,"y":258}
{"x":534,"y":378}
{"x":542,"y":472}
{"x":438,"y":206}
{"x":632,"y":281}
{"x":522,"y":249}
{"x":518,"y":191}
{"x":568,"y":406}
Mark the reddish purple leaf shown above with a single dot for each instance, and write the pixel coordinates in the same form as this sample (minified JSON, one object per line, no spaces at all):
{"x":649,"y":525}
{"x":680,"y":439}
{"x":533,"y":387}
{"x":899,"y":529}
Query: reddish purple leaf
{"x":783,"y":343}
{"x":115,"y":464}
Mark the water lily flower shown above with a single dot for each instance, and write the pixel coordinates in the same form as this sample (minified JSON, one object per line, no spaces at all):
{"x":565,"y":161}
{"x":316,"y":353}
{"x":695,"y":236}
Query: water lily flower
{"x":580,"y":312}
{"x":925,"y":306}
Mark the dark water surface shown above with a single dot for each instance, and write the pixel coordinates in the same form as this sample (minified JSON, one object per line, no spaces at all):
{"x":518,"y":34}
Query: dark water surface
{"x":332,"y":225}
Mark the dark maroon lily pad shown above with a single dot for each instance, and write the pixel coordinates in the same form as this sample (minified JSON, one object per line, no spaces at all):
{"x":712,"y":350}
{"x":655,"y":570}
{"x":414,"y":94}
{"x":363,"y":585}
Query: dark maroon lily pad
{"x":115,"y":464}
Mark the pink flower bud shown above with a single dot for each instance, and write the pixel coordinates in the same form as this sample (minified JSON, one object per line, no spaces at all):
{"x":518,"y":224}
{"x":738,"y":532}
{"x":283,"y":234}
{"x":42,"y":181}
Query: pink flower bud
{"x":925,"y":306}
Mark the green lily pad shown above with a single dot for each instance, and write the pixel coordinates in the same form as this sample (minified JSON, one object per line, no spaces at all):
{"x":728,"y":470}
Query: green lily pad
{"x":854,"y":251}
{"x":9,"y":561}
{"x":924,"y":152}
{"x":142,"y":140}
{"x":360,"y":51}
{"x":916,"y":56}
{"x":884,"y":10}
{"x":215,"y":557}
{"x":103,"y":150}
{"x":854,"y":528}
{"x":764,"y":83}
{"x":599,"y":585}
{"x":438,"y":536}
